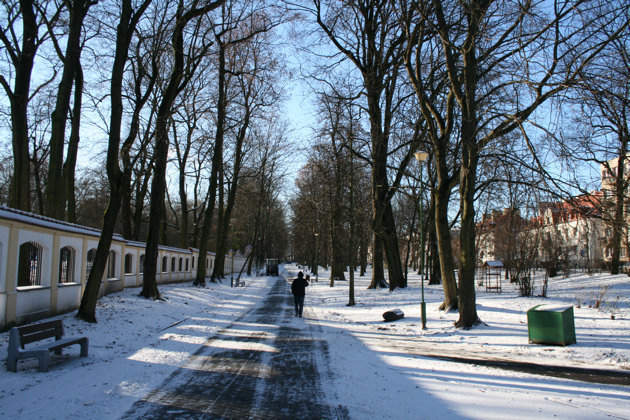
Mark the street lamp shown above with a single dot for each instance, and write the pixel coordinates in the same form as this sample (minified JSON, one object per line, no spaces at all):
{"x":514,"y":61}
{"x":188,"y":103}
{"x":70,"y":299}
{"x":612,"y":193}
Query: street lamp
{"x":422,"y":157}
{"x":316,"y":263}
{"x":231,"y":254}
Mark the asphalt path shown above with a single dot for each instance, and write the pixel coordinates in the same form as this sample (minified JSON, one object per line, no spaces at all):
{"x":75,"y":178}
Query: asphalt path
{"x":267,"y":364}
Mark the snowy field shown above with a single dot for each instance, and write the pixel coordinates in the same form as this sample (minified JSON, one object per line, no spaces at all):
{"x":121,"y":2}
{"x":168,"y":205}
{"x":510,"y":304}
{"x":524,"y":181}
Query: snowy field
{"x":381,"y":369}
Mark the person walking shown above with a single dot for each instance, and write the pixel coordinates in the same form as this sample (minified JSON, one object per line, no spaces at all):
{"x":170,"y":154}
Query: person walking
{"x":298,"y":288}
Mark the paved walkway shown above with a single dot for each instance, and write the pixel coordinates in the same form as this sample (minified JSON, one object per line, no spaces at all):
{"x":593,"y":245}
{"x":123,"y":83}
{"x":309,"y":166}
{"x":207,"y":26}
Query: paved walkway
{"x":267,"y":364}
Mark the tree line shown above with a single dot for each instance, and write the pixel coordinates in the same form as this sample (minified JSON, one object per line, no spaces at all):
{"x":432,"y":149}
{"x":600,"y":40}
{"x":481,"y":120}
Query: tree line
{"x":159,"y":119}
{"x":500,"y":94}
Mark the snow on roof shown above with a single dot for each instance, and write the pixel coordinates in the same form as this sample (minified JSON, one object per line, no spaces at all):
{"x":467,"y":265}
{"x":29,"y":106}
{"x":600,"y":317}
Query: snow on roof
{"x":172,"y":248}
{"x":21,"y":216}
{"x":197,"y":250}
{"x":493,"y":264}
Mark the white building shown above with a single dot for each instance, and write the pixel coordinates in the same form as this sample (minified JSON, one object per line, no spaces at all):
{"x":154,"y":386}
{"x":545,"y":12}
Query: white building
{"x":44,"y":265}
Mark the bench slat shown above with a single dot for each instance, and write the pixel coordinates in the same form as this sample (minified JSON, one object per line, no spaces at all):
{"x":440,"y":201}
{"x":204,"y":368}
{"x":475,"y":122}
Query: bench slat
{"x":58,"y":344}
{"x":36,"y":332}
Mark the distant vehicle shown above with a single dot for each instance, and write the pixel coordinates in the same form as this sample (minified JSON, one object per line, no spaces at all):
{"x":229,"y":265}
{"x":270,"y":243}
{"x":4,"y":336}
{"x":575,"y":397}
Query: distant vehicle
{"x":272,"y":267}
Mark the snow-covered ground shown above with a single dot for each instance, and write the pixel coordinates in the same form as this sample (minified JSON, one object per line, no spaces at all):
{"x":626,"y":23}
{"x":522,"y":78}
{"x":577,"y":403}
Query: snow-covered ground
{"x":381,"y":369}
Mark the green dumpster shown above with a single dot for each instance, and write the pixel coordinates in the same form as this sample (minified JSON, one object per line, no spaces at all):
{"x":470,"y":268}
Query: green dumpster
{"x":551,"y":324}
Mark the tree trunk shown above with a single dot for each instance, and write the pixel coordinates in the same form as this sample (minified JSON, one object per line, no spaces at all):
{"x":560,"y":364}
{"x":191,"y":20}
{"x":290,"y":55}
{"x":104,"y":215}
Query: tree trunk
{"x":128,"y":21}
{"x":217,"y":158}
{"x":20,"y":192}
{"x":618,"y":222}
{"x":160,"y":152}
{"x":56,"y":188}
{"x":467,"y":300}
{"x":378,"y":274}
{"x":183,"y":200}
{"x":444,"y":243}
{"x":69,"y":166}
{"x":223,"y":226}
{"x":363,"y":252}
{"x":353,"y":252}
{"x":392,"y":250}
{"x":338,"y":266}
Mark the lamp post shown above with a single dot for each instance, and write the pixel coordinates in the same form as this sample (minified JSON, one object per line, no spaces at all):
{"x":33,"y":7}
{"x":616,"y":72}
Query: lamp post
{"x":231,"y":254}
{"x":316,"y":263}
{"x":422,"y":157}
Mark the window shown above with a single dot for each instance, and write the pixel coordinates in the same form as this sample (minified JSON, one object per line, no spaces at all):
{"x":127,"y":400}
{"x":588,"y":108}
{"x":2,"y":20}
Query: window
{"x":66,"y":265}
{"x":30,"y":264}
{"x":187,"y":261}
{"x":172,"y":264}
{"x":193,"y":262}
{"x":91,"y":254}
{"x":141,"y":268}
{"x":181,"y":261}
{"x":111,"y":265}
{"x":128,"y":263}
{"x":164,"y":264}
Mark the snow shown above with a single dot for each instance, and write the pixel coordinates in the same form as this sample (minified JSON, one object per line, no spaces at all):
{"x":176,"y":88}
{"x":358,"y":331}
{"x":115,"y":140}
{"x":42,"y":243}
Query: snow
{"x":381,"y":370}
{"x":21,"y":216}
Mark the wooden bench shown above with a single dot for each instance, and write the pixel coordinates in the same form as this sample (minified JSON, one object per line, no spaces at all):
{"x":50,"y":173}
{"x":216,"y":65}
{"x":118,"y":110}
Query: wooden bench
{"x":21,"y":336}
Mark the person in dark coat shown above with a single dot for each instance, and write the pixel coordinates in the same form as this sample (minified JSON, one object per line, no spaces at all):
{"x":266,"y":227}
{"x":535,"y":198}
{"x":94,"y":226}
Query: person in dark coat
{"x":298,"y":288}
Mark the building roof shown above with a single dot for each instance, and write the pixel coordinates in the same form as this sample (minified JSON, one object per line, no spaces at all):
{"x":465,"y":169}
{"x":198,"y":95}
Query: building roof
{"x":493,"y":264}
{"x":21,"y":216}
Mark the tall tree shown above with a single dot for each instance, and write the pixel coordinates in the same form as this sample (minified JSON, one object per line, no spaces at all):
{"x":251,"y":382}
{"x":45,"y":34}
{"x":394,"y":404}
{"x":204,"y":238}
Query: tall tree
{"x":21,"y":45}
{"x":124,"y":33}
{"x":425,"y":69}
{"x":182,"y":72}
{"x":601,"y":132}
{"x":504,"y":60}
{"x":367,"y":34}
{"x":57,"y":187}
{"x":251,"y":75}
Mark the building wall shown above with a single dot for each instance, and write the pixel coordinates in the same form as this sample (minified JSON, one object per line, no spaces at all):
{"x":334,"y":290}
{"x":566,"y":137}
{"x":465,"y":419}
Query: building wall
{"x":24,"y":304}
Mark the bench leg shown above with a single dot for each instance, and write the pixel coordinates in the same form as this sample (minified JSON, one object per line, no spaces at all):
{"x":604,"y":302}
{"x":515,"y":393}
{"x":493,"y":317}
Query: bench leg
{"x":12,"y":363}
{"x":84,"y":347}
{"x":43,"y":358}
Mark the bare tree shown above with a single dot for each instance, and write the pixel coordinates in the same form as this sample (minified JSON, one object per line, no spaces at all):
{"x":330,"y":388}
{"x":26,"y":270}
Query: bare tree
{"x":601,"y":131}
{"x":426,"y":71}
{"x":366,"y":34}
{"x":128,"y":21}
{"x":225,"y":36}
{"x":503,"y":62}
{"x":57,"y":186}
{"x":21,"y":45}
{"x":182,"y":71}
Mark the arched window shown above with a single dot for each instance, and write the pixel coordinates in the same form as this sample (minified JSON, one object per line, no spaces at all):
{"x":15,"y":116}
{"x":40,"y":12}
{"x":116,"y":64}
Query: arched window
{"x":129,"y":263}
{"x":193,"y":262}
{"x":181,"y":261}
{"x":30,"y":264}
{"x":91,"y":254}
{"x":141,"y":268}
{"x":187,"y":261}
{"x":172,"y":264}
{"x":111,"y":265}
{"x":164,"y":264}
{"x":66,"y":265}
